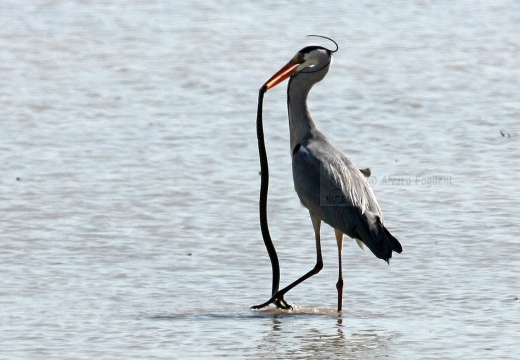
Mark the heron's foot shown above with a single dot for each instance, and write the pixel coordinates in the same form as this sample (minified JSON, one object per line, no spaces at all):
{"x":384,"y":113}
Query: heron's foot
{"x":282,"y":304}
{"x":277,"y":300}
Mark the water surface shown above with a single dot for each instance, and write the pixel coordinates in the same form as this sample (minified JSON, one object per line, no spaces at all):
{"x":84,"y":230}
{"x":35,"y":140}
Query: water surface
{"x":129,"y":182}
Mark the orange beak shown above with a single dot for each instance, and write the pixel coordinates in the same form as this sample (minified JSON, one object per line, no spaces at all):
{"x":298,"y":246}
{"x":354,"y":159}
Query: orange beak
{"x":287,"y":71}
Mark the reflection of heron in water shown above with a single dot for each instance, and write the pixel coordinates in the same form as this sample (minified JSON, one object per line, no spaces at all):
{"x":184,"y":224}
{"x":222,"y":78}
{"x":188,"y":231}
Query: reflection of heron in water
{"x":284,"y":334}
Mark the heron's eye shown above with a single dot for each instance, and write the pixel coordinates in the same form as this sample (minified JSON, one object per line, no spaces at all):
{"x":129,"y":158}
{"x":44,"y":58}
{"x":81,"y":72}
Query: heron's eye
{"x":301,"y":57}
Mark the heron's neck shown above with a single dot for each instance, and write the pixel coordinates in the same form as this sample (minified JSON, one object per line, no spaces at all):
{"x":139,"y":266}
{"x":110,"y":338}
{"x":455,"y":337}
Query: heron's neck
{"x":300,"y":120}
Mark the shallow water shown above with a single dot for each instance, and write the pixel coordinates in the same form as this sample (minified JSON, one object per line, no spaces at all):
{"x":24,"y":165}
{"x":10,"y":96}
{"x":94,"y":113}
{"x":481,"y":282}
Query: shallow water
{"x":129,"y":182}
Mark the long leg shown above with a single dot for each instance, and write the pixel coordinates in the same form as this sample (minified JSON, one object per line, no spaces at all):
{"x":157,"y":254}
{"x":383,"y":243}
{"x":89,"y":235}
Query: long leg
{"x":316,"y":223}
{"x":339,"y":284}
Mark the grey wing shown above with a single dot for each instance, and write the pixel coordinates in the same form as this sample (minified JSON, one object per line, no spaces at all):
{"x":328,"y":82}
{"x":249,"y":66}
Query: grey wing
{"x":326,"y":181}
{"x":363,"y":188}
{"x":330,"y":186}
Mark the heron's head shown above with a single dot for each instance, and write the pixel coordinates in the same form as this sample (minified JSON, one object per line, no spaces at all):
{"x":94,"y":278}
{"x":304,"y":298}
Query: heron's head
{"x":307,"y":60}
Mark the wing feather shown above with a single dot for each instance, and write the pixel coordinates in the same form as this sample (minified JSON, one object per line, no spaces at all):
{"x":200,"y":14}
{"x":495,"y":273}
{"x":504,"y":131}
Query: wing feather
{"x":334,"y":189}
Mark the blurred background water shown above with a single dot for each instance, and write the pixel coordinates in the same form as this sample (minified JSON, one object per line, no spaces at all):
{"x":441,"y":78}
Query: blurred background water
{"x":129,"y":179}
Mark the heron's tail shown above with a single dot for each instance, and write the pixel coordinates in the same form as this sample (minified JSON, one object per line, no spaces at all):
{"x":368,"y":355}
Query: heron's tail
{"x":377,"y":237}
{"x":394,"y":243}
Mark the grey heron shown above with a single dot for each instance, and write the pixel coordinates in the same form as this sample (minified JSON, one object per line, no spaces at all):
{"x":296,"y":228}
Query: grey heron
{"x":327,"y":182}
